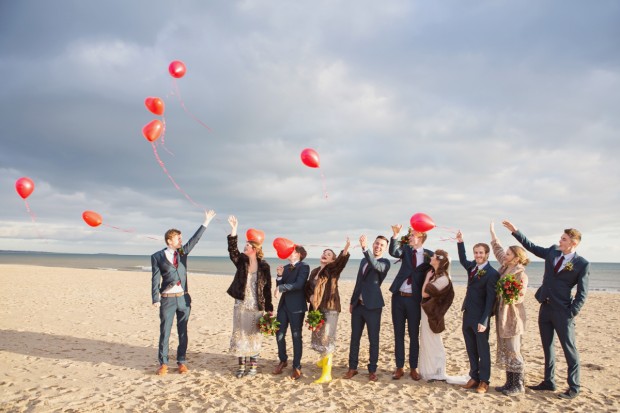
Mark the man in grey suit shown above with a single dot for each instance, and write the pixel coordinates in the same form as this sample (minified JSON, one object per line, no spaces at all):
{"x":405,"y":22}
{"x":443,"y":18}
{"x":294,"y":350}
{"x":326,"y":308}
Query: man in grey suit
{"x":477,"y":308}
{"x":564,"y":269}
{"x":407,"y":297}
{"x":292,"y":307}
{"x":367,"y":304}
{"x":170,"y":294}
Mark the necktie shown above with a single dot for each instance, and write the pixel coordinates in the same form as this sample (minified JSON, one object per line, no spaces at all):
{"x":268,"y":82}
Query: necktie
{"x":558,"y":264}
{"x":415,"y":264}
{"x":473,"y":272}
{"x":175,"y":259}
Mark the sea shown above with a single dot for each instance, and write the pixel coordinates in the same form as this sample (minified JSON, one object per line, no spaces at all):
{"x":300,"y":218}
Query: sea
{"x":604,"y":276}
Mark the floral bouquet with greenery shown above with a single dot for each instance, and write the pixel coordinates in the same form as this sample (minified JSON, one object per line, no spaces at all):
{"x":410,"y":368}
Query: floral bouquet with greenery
{"x":509,"y":288}
{"x":315,"y":320}
{"x":268,"y":325}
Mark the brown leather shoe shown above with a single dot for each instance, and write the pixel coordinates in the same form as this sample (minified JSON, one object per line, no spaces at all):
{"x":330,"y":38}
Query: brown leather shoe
{"x":350,"y":374}
{"x":372,"y":376}
{"x":483,"y":387}
{"x":183,"y":368}
{"x":296,"y":375}
{"x":279,"y":367}
{"x":471,"y":384}
{"x":415,"y":375}
{"x":398,"y":373}
{"x":162,"y":370}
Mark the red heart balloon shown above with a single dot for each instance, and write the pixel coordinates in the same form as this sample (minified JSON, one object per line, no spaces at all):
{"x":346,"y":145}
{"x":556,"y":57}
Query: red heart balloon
{"x":155,"y":105}
{"x":152,"y":130}
{"x":92,"y":218}
{"x":255,"y":235}
{"x":421,"y":222}
{"x":177,"y":69}
{"x":24,"y":187}
{"x":310,"y":158}
{"x":284,"y":247}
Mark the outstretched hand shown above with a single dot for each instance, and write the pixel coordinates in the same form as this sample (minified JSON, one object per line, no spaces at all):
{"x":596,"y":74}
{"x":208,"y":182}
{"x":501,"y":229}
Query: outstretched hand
{"x":396,"y":230}
{"x":459,"y":236}
{"x":510,"y":226}
{"x":209,"y":216}
{"x":363,"y":242}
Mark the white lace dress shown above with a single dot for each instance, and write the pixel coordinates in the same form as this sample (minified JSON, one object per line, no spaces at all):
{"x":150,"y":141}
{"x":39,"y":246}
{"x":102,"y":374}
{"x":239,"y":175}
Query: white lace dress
{"x":432,"y":362}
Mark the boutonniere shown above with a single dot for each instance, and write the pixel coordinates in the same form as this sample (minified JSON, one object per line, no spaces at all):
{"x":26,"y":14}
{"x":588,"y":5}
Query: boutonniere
{"x":568,"y":266}
{"x":480,"y":273}
{"x":181,"y":251}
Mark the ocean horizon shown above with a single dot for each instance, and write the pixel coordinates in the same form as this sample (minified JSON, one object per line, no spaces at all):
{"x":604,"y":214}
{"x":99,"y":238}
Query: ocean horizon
{"x":603,"y":276}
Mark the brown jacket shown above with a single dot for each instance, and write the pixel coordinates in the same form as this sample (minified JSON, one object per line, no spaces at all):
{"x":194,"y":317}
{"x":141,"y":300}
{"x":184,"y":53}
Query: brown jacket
{"x":322,"y":286}
{"x":436,"y":306}
{"x":237,"y":287}
{"x":510,"y":318}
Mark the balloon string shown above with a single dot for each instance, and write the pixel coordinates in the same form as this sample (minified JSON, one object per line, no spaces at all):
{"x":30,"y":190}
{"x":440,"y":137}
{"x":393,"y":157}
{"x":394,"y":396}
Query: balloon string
{"x":119,"y":229}
{"x":32,"y":215}
{"x":163,"y":166}
{"x":325,"y":195}
{"x":163,"y":134}
{"x":180,"y":99}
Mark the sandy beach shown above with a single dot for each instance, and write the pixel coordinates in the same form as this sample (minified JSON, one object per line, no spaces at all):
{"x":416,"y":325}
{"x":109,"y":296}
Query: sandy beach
{"x":76,"y":340}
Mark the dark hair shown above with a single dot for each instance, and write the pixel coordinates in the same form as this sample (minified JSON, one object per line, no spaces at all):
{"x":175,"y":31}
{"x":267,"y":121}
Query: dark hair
{"x":302,"y":252}
{"x":486,"y":247}
{"x":171,"y":233}
{"x":444,"y":262}
{"x":387,"y":241}
{"x":330,"y":250}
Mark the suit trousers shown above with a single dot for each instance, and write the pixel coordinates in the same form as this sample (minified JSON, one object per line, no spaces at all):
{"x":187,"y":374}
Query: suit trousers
{"x":478,"y":350}
{"x":550,"y":322}
{"x":168,"y":308}
{"x":296,"y":321}
{"x":406,"y":310}
{"x":372,"y":319}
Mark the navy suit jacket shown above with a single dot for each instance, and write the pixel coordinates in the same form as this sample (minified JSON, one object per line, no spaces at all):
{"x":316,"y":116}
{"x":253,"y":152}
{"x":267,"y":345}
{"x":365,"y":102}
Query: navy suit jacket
{"x":405,"y":253}
{"x":165,"y":274}
{"x":558,"y":287}
{"x":480,"y":295}
{"x":368,"y":282}
{"x":291,"y":285}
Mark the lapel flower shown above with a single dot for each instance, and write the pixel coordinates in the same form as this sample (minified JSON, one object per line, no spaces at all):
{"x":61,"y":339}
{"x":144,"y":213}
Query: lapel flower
{"x":181,"y":251}
{"x":568,"y":266}
{"x":480,"y":273}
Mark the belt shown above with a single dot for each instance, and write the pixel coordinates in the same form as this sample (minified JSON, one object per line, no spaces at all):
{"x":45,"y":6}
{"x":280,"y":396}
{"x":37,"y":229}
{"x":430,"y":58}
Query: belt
{"x":402,"y":294}
{"x":168,"y":295}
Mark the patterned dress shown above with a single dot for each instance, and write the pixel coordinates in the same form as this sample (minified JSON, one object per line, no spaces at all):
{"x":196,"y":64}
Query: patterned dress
{"x":246,"y":337}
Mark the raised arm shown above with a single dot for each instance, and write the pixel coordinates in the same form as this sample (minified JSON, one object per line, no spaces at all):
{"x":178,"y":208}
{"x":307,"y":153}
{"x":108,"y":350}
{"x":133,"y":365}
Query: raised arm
{"x":498,"y":251}
{"x":540,"y":252}
{"x":196,"y":237}
{"x":396,"y":250}
{"x":462,"y":254}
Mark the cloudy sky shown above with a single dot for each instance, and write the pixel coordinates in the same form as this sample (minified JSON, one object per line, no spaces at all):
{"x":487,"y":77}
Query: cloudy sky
{"x":466,"y":111}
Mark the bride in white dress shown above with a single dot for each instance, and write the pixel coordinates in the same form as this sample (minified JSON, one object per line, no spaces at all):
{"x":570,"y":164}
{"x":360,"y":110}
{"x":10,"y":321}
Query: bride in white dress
{"x":437,"y":297}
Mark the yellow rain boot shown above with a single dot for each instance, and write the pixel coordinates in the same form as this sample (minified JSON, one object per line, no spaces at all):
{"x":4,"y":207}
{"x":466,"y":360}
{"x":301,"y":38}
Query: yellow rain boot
{"x":321,"y":362}
{"x":326,"y":377}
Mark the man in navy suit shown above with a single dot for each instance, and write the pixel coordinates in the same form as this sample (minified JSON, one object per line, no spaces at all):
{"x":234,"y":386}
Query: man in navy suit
{"x":292,"y":308}
{"x":407,"y":297}
{"x":367,"y":304}
{"x":564,"y":269}
{"x":477,"y":308}
{"x":169,"y":291}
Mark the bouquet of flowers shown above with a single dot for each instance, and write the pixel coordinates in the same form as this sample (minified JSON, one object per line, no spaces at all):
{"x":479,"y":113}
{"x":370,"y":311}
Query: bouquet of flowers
{"x":315,"y":320}
{"x":268,"y":325}
{"x":509,"y":288}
